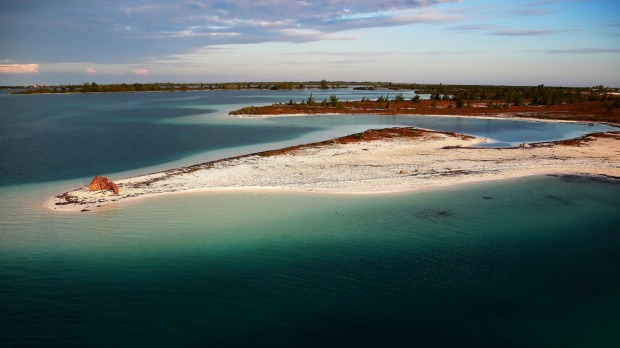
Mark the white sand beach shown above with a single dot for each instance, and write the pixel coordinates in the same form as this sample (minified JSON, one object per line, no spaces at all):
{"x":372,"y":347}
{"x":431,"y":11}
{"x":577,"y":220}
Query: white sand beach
{"x":388,"y":163}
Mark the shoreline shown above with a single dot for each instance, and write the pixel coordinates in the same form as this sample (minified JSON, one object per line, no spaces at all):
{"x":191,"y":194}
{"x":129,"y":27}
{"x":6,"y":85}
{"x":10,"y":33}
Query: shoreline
{"x":586,"y":111}
{"x":507,"y":116}
{"x":391,"y":160}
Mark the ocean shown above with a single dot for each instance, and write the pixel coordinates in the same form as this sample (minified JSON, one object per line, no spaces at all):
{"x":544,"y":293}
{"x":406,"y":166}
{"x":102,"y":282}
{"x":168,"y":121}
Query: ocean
{"x":519,"y":263}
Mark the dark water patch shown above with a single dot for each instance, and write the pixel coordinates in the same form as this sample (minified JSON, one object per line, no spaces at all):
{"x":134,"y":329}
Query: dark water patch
{"x":559,"y":200}
{"x":433,"y":214}
{"x":603,"y":179}
{"x":443,"y":213}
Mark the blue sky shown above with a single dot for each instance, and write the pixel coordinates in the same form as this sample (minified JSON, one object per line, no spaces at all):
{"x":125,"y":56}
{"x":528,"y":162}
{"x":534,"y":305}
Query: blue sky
{"x":553,"y":42}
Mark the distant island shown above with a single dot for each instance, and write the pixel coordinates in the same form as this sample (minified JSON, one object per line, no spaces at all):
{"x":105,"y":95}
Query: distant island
{"x":596,"y":104}
{"x":586,"y":104}
{"x":93,"y":87}
{"x":592,"y":104}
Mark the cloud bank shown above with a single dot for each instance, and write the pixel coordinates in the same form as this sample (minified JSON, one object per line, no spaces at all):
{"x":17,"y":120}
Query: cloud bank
{"x":19,"y":68}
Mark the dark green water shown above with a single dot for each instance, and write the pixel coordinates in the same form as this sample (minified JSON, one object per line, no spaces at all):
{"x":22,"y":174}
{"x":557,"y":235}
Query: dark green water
{"x":524,"y":263}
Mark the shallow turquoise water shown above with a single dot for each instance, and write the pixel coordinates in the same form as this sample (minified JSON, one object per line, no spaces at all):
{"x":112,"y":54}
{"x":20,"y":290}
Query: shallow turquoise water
{"x":530,"y":262}
{"x":522,"y":263}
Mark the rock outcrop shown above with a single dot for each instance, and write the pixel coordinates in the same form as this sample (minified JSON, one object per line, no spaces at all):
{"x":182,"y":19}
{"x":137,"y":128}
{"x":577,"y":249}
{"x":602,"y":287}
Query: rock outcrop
{"x":100,"y":183}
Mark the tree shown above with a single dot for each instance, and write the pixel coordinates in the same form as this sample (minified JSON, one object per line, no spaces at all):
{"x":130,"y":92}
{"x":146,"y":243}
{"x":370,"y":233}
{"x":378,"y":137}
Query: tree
{"x":324,"y":84}
{"x":311,"y":100}
{"x":459,"y":103}
{"x":333,"y":100}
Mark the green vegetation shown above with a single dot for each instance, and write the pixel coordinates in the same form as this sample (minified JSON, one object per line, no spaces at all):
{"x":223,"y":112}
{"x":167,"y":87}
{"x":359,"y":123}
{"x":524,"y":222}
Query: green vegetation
{"x":516,"y":95}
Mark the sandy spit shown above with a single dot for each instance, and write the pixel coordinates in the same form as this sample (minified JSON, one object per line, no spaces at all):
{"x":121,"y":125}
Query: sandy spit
{"x":374,"y":165}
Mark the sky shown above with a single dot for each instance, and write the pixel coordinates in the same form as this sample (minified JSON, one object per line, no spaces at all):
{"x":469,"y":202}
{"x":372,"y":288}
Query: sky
{"x":531,"y":42}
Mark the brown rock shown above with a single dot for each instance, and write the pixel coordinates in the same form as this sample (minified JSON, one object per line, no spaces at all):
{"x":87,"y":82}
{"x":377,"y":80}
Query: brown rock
{"x":100,"y":183}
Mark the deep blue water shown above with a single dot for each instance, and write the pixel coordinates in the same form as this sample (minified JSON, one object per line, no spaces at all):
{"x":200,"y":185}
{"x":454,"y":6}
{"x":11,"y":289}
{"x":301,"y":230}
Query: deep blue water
{"x":520,"y":263}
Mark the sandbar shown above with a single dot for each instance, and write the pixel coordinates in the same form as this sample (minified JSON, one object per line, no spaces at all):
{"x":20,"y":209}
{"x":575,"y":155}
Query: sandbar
{"x":376,"y":161}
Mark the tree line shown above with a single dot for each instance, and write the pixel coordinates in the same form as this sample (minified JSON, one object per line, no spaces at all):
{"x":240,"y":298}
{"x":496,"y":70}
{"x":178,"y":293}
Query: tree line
{"x":499,"y":95}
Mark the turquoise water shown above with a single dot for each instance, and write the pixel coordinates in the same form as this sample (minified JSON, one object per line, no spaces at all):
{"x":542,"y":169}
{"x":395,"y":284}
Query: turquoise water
{"x":523,"y":263}
{"x":520,"y":263}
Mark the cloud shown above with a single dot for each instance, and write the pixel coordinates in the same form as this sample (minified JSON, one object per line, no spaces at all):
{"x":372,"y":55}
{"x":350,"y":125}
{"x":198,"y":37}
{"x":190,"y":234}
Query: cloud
{"x":91,"y":71}
{"x":472,"y":27}
{"x":587,"y":50}
{"x":535,"y":8}
{"x":492,"y":30}
{"x":520,"y":32}
{"x":321,"y":21}
{"x":140,"y":72}
{"x":376,"y":53}
{"x":19,"y":68}
{"x":95,"y":30}
{"x":548,"y":2}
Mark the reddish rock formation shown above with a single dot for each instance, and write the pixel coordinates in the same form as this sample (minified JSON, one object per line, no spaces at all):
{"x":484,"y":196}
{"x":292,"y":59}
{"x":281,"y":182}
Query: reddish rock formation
{"x":101,"y":183}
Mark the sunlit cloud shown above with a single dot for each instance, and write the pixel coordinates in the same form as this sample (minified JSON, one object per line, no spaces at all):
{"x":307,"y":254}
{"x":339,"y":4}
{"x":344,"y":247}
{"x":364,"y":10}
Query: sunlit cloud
{"x":91,"y":71}
{"x":19,"y":68}
{"x":140,"y":72}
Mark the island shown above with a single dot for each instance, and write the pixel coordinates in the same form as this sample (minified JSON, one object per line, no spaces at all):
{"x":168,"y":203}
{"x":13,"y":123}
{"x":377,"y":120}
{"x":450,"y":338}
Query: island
{"x":602,"y":109}
{"x":374,"y":161}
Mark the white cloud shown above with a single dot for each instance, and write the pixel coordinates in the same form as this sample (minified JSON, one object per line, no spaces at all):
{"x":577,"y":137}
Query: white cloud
{"x":91,"y":71}
{"x":19,"y":68}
